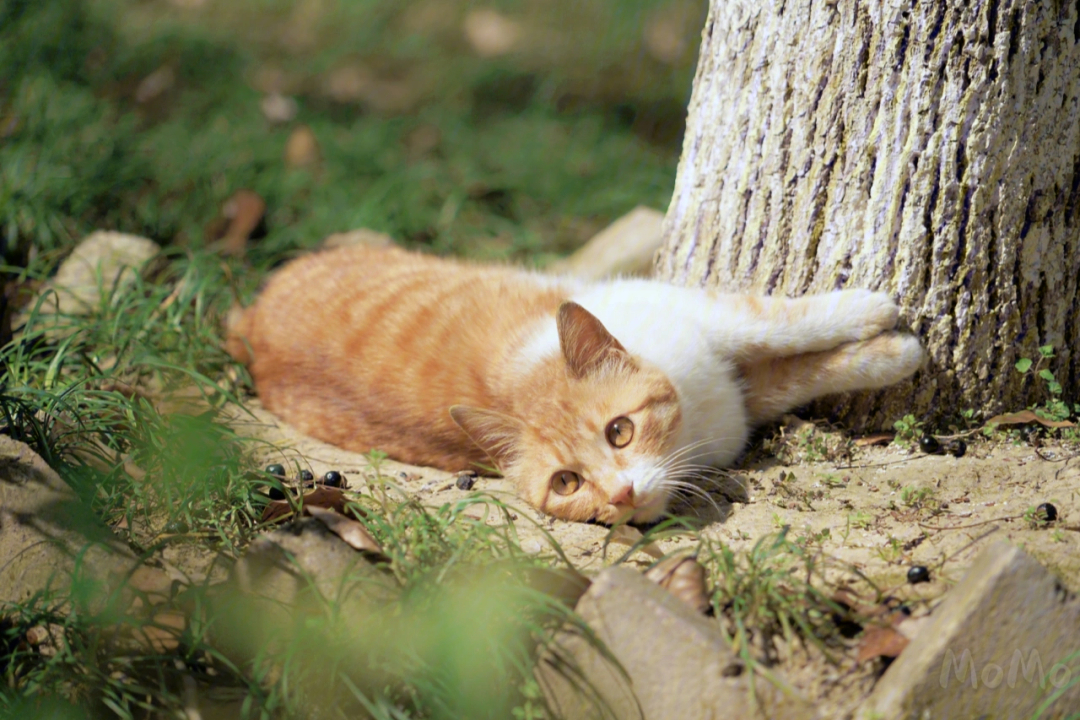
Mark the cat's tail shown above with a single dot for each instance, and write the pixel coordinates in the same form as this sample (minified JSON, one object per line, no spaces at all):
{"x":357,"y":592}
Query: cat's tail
{"x":237,"y":330}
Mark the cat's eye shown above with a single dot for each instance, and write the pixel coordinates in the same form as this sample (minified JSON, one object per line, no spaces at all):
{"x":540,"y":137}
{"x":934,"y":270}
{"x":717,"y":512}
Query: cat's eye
{"x":620,"y":432}
{"x":566,"y":482}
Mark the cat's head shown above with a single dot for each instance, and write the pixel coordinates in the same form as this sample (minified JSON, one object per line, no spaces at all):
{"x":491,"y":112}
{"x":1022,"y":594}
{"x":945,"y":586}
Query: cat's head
{"x":597,"y":428}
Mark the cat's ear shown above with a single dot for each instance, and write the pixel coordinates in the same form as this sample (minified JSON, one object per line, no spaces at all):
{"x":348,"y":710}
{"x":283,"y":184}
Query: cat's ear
{"x":496,"y":433}
{"x":585,"y":341}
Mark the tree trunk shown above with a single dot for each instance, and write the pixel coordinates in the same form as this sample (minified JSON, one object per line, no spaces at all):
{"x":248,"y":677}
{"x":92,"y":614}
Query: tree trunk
{"x":928,"y":149}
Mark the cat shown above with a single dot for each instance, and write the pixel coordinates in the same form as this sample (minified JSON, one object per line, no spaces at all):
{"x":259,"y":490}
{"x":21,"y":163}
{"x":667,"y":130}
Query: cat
{"x":597,"y":400}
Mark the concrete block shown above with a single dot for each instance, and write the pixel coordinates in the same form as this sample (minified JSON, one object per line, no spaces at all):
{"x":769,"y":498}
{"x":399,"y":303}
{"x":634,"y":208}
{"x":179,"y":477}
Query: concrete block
{"x":625,"y":247}
{"x":1002,"y":644}
{"x":674,"y":662}
{"x":48,"y":536}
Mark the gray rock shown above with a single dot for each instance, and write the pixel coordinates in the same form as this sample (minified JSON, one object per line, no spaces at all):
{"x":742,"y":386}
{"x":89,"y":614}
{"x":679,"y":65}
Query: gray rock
{"x":625,"y":247}
{"x":1002,"y":643}
{"x":677,"y":665}
{"x":298,"y":571}
{"x":99,"y":263}
{"x":48,"y":536}
{"x":361,"y":236}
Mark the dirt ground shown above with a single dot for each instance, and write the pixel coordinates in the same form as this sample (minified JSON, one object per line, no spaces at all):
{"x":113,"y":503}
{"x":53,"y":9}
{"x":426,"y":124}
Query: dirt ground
{"x":874,"y":512}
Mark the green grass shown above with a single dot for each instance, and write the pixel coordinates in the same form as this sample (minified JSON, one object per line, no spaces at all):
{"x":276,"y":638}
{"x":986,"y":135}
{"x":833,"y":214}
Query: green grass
{"x":512,"y":172}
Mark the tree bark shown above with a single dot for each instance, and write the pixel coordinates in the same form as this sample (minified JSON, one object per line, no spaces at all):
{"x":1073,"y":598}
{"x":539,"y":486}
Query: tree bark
{"x":929,"y":149}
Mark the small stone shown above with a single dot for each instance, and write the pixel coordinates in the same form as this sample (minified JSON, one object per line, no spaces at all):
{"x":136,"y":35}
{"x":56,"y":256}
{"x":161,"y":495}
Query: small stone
{"x":360,"y":236}
{"x":918,"y":574}
{"x":155,"y":84}
{"x":465,"y":481}
{"x":278,"y":108}
{"x":490,"y":33}
{"x":102,"y":263}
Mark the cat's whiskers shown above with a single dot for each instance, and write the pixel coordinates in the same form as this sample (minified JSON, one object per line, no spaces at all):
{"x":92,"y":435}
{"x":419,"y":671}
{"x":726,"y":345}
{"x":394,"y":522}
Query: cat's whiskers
{"x":677,"y":474}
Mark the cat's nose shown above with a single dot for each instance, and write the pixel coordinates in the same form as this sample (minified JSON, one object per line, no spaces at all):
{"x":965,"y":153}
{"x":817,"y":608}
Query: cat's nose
{"x":624,"y":495}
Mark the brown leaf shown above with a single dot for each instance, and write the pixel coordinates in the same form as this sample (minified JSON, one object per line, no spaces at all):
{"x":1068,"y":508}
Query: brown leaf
{"x":684,"y":577}
{"x":240,"y":215}
{"x":875,"y":439}
{"x":352,"y":532}
{"x":626,"y":535}
{"x":302,"y":148}
{"x":1027,"y":416}
{"x":323,"y":497}
{"x":880,"y":641}
{"x":564,"y":584}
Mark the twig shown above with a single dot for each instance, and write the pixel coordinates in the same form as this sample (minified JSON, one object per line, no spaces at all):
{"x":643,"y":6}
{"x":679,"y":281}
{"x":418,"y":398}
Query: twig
{"x":964,"y":527}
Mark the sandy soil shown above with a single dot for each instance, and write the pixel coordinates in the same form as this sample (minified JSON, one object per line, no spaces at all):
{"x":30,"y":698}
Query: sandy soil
{"x":875,"y":511}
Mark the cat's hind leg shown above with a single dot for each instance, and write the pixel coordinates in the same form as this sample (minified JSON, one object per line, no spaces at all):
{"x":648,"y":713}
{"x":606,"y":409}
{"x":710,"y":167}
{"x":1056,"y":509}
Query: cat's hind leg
{"x":775,"y":385}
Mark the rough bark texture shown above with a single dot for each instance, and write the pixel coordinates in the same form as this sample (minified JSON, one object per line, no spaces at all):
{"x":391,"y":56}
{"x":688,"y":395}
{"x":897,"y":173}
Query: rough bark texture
{"x":928,"y":149}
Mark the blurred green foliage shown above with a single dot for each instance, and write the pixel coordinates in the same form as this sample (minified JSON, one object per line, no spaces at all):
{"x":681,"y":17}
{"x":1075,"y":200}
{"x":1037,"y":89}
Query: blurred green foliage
{"x":145,"y":117}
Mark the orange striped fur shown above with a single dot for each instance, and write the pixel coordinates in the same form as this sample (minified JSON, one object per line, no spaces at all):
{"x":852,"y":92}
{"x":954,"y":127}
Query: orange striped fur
{"x":456,"y":366}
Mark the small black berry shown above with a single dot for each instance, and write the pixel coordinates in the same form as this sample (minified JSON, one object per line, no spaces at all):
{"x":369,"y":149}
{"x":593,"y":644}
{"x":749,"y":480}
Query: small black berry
{"x":333,"y":479}
{"x":957,"y":448}
{"x":465,"y":482}
{"x":1046,"y":512}
{"x":275,"y":492}
{"x":929,"y":444}
{"x":306,"y":476}
{"x":918,"y":574}
{"x":176,"y":527}
{"x":276,"y":469}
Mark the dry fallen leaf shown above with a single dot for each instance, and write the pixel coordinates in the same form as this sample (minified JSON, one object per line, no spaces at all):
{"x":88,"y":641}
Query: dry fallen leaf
{"x":684,"y":577}
{"x":626,"y":535}
{"x":302,"y":148}
{"x":240,"y":215}
{"x":352,"y":532}
{"x":323,"y":497}
{"x":1027,"y":416}
{"x":880,"y":641}
{"x":564,"y":584}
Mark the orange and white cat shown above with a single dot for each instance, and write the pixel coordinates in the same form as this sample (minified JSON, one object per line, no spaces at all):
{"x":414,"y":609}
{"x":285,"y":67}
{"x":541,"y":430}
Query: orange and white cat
{"x":597,"y":399}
